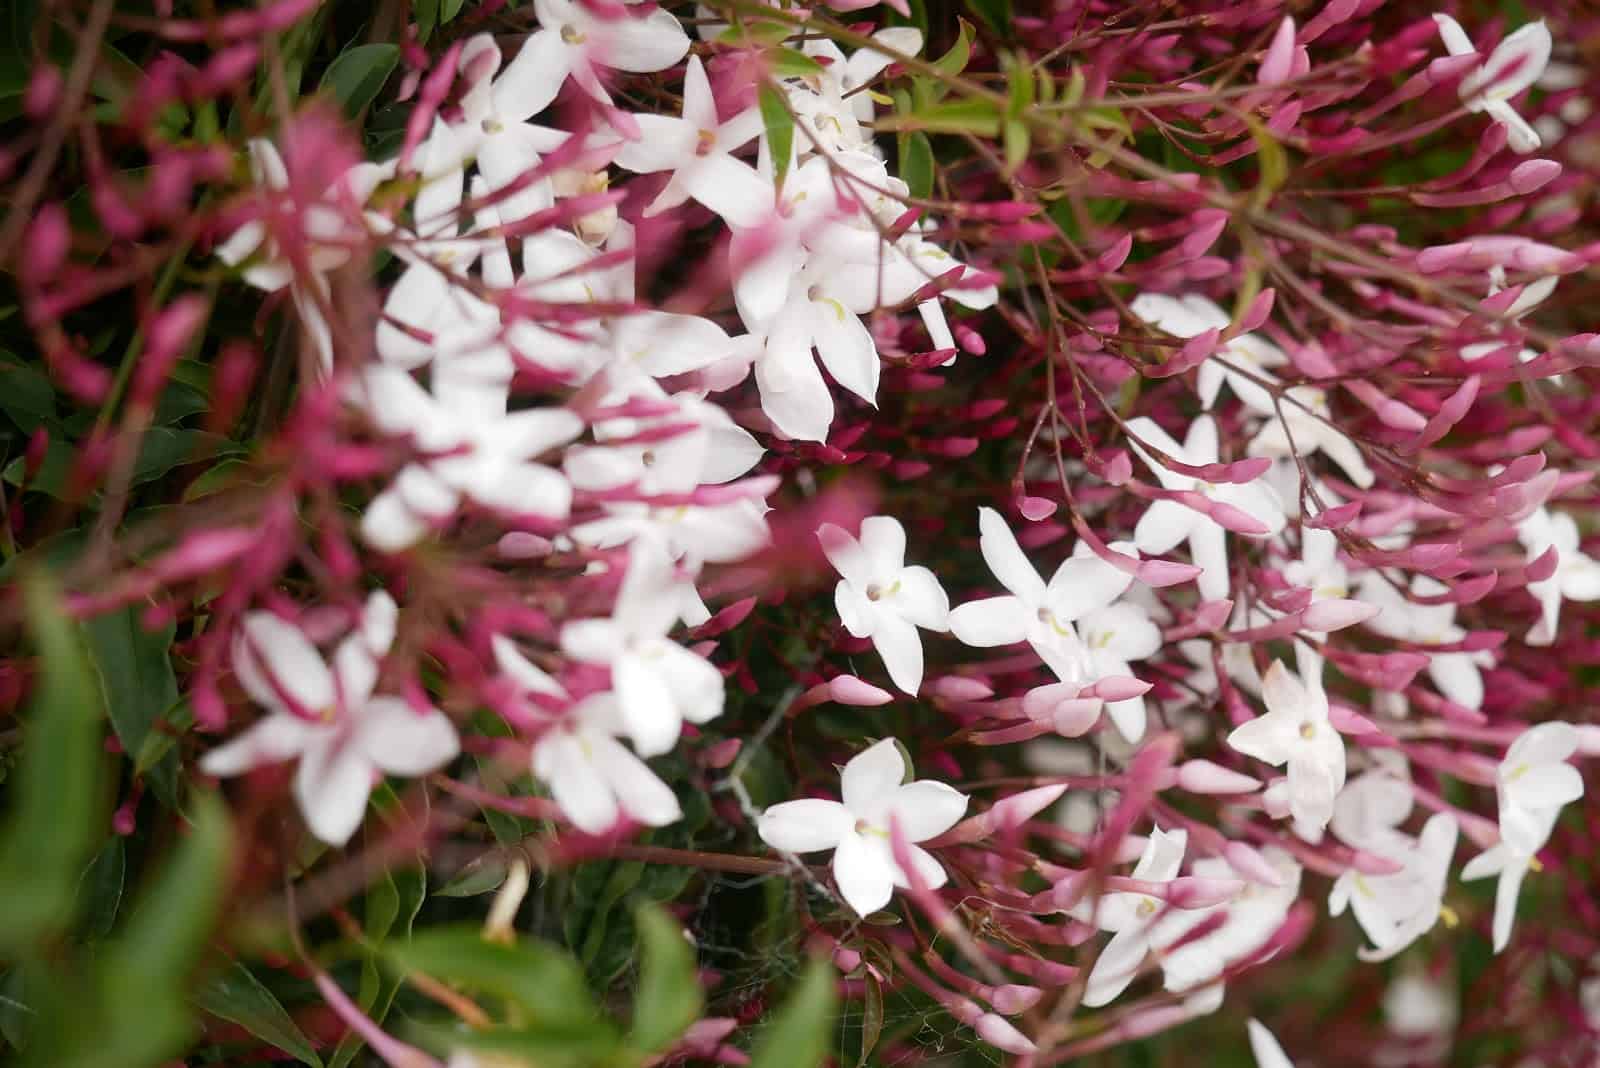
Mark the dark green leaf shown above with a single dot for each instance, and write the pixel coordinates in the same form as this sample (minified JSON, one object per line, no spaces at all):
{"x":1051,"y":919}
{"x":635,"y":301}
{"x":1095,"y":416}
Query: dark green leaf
{"x":173,"y":916}
{"x":16,"y":1018}
{"x":26,"y":395}
{"x":426,"y":13}
{"x":134,"y":671}
{"x":916,"y":163}
{"x":801,"y":1032}
{"x":50,"y":829}
{"x":359,"y":73}
{"x":871,"y":1018}
{"x":482,"y":876}
{"x":449,"y":9}
{"x":391,"y":905}
{"x":237,"y":995}
{"x":102,"y":889}
{"x":669,"y":997}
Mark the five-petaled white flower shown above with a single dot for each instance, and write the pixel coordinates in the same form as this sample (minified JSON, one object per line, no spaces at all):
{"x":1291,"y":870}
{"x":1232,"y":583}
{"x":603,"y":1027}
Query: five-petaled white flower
{"x":696,"y":148}
{"x":1532,"y":783}
{"x":1577,"y":576}
{"x":1296,"y":731}
{"x":593,"y":777}
{"x":580,"y":41}
{"x":1513,"y":66}
{"x":1132,"y":918}
{"x":1456,"y":674}
{"x":1241,"y":362}
{"x":881,"y":598}
{"x":1034,"y":611}
{"x":858,"y":829}
{"x":1301,"y":425}
{"x":658,"y":683}
{"x":1166,"y":522}
{"x":329,"y":718}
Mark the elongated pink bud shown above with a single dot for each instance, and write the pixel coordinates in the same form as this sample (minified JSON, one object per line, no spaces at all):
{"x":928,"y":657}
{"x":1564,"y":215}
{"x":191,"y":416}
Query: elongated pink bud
{"x":1279,"y":56}
{"x":998,"y":1032}
{"x":1336,"y":613}
{"x":958,"y":688}
{"x":1194,"y":352}
{"x":1534,"y":174}
{"x":1118,"y":688}
{"x":1237,"y":472}
{"x":1205,"y":777}
{"x":849,"y":690}
{"x":1199,"y":892}
{"x":1250,"y":863}
{"x":1035,"y":509}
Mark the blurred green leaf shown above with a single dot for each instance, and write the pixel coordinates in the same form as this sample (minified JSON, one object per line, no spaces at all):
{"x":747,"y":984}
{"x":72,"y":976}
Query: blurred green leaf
{"x":102,"y":889}
{"x":357,"y":76}
{"x":669,"y":998}
{"x":236,"y":994}
{"x":974,"y":116}
{"x":789,"y":63}
{"x":391,"y":906}
{"x":134,"y":671}
{"x":26,"y":395}
{"x":780,"y":128}
{"x":801,"y":1032}
{"x":916,"y":163}
{"x":996,"y":14}
{"x":481,"y":876}
{"x":955,"y":60}
{"x":50,"y":829}
{"x":542,"y":981}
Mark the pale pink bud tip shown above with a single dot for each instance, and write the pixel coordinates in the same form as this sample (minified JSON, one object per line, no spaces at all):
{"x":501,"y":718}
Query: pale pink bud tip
{"x":1013,"y":998}
{"x":1034,"y":509}
{"x":1276,"y":64}
{"x":1205,"y":777}
{"x":849,"y":690}
{"x":1588,"y":739}
{"x":1337,"y":613}
{"x":1534,"y":174}
{"x":998,"y":1032}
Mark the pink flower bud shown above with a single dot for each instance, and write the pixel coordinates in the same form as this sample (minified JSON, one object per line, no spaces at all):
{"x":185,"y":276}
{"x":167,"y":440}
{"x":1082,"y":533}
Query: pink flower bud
{"x":1533,"y":174}
{"x":1248,"y":862}
{"x":1013,"y":998}
{"x":1118,"y":688}
{"x":958,"y":688}
{"x":1279,"y":57}
{"x":849,"y":690}
{"x":1034,"y":509}
{"x":1205,"y":777}
{"x":998,"y":1032}
{"x":1336,"y":614}
{"x":1117,"y":469}
{"x":1160,"y":574}
{"x":1198,"y":892}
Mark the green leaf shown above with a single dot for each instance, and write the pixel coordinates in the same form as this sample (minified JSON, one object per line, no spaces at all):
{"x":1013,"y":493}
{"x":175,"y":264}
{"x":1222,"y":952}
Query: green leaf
{"x":359,"y":73}
{"x":174,"y":914}
{"x":134,"y":671}
{"x":1016,"y":143}
{"x":26,"y":395}
{"x":1274,"y":164}
{"x":449,"y":9}
{"x":481,"y":876}
{"x":871,"y":1018}
{"x":393,"y":901}
{"x":789,"y":63}
{"x":540,"y":979}
{"x":801,"y":1032}
{"x":974,"y":116}
{"x":956,"y":59}
{"x":426,"y":13}
{"x":56,"y":800}
{"x":916,"y":163}
{"x":16,"y":1017}
{"x":669,"y":997}
{"x":237,"y":995}
{"x":102,"y":889}
{"x":780,"y":128}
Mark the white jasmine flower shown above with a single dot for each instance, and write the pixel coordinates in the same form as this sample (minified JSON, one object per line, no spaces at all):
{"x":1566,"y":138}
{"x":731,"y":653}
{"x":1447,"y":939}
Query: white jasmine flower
{"x":1249,"y":356}
{"x":1165,"y":523}
{"x":658,"y":683}
{"x":1532,"y":784}
{"x":881,"y":598}
{"x":593,"y":777}
{"x":1265,"y":1048}
{"x":1295,"y":731}
{"x":1513,"y":66}
{"x":328,"y":718}
{"x":1040,"y":614}
{"x":858,"y":829}
{"x":1577,"y":576}
{"x":1131,"y":917}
